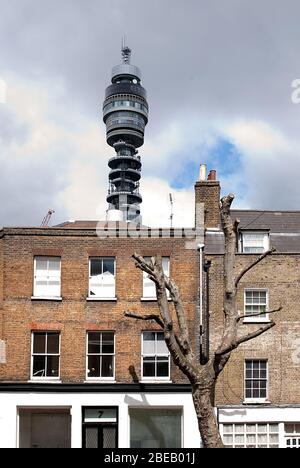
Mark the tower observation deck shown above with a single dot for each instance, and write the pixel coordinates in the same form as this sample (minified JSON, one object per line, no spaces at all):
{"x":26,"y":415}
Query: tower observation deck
{"x":125,"y":114}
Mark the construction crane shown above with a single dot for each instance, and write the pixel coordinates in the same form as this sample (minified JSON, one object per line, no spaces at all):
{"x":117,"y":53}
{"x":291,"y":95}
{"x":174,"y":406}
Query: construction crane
{"x":46,"y":220}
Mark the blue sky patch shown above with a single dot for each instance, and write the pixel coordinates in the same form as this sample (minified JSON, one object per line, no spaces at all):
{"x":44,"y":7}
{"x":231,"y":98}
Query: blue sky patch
{"x":222,"y":156}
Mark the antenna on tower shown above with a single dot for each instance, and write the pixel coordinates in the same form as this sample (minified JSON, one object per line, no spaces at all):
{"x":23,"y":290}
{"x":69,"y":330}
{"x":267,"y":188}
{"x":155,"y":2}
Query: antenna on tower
{"x":126,"y":51}
{"x":172,"y":213}
{"x":45,"y":222}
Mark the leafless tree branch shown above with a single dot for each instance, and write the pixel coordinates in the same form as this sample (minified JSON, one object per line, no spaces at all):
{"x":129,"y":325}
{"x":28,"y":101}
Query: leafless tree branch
{"x":253,"y":264}
{"x":267,"y":312}
{"x":151,"y":317}
{"x":245,"y":338}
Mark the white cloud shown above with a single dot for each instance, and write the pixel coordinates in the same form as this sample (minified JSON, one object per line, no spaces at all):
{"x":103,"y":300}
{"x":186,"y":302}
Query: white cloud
{"x":255,"y":137}
{"x":156,"y":208}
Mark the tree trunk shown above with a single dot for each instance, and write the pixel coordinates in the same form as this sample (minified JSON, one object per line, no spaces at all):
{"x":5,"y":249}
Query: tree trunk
{"x":207,"y":421}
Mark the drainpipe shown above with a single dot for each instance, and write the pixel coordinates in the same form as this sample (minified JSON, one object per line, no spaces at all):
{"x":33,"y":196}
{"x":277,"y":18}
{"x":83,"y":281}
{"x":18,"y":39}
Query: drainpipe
{"x":200,"y":249}
{"x":205,"y":339}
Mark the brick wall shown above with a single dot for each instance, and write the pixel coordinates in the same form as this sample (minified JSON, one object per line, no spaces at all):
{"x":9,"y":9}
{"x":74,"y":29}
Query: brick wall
{"x":280,"y":275}
{"x":74,"y":316}
{"x":208,"y":192}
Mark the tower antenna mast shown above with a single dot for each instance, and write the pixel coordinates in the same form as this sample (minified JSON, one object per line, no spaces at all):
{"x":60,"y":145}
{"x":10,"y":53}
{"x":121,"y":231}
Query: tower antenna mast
{"x":172,"y":212}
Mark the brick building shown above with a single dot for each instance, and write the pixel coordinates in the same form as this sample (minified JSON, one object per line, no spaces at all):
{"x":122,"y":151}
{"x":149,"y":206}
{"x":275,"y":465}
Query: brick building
{"x":258,"y":394}
{"x":71,"y":360}
{"x":74,"y":372}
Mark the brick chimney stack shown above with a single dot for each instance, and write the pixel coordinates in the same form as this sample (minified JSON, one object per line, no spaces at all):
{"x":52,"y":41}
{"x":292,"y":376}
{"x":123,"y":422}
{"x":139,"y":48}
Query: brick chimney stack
{"x":207,"y":193}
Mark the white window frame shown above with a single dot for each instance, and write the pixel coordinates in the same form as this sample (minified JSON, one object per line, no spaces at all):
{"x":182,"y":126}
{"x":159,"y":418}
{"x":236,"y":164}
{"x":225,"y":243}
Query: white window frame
{"x":258,"y":399}
{"x":265,"y":246}
{"x":100,"y":379}
{"x":258,"y":318}
{"x":155,"y":407}
{"x":104,"y":297}
{"x":43,"y":379}
{"x":47,"y":258}
{"x":143,"y":355}
{"x":148,"y":281}
{"x":254,"y":433}
{"x":293,"y":437}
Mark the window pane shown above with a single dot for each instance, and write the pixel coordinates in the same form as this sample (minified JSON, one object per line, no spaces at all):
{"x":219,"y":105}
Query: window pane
{"x":228,"y":439}
{"x":41,"y":266}
{"x":155,"y":428}
{"x":94,"y":346}
{"x":39,"y":366}
{"x":53,"y":343}
{"x":107,"y":369}
{"x":109,"y":437}
{"x":39,"y":343}
{"x":148,"y":367}
{"x":96,"y":266}
{"x":274,"y":428}
{"x":149,"y":343}
{"x":91,"y":438}
{"x":108,"y":266}
{"x":52,"y":366}
{"x":93,"y":366}
{"x":107,"y":343}
{"x":228,"y":428}
{"x":162,"y":367}
{"x":161,"y":344}
{"x":251,"y":428}
{"x":166,"y":265}
{"x":54,"y":266}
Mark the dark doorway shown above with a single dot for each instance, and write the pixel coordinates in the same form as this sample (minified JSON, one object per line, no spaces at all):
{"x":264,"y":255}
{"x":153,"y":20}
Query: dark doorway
{"x":100,"y":428}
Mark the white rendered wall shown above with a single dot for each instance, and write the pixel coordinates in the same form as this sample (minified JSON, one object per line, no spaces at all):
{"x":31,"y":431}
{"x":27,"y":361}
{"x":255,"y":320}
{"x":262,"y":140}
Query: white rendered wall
{"x":9,"y":402}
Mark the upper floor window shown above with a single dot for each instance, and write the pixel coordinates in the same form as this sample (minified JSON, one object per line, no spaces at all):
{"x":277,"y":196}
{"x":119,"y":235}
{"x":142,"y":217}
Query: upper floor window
{"x":256,"y":380}
{"x":45,"y":360}
{"x":102,"y":278}
{"x":149,"y":289}
{"x":254,"y":242}
{"x":155,"y":356}
{"x":47,"y":277}
{"x":101,"y":355}
{"x":256,"y":304}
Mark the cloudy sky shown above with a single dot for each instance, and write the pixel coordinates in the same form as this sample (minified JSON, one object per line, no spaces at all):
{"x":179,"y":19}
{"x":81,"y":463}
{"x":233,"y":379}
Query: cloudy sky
{"x":219,"y":78}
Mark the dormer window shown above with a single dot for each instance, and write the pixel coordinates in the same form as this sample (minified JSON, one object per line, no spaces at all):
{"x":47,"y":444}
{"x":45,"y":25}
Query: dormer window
{"x":254,"y":242}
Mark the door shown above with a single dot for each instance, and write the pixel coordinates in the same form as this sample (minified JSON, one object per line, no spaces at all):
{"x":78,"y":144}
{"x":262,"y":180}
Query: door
{"x":99,"y":436}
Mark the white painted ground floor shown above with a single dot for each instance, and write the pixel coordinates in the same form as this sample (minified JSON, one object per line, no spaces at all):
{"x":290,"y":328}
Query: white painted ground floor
{"x":260,"y":427}
{"x":92,"y":420}
{"x":38,"y":418}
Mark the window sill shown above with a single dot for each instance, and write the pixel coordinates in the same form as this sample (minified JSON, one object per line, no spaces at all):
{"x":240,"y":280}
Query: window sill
{"x":252,"y":253}
{"x":155,"y":381}
{"x":46,"y":298}
{"x":256,"y":402}
{"x":256,"y":320}
{"x":46,"y":381}
{"x":152,"y":299}
{"x":100,"y":381}
{"x":101,"y":299}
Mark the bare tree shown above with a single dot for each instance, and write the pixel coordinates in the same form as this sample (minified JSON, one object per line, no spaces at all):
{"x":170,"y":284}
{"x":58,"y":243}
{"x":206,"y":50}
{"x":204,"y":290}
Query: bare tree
{"x":203,"y":378}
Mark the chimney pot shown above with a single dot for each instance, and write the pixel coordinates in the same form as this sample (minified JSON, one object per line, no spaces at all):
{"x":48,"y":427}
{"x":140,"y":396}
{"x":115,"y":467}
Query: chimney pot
{"x":212,"y":175}
{"x":202,"y":176}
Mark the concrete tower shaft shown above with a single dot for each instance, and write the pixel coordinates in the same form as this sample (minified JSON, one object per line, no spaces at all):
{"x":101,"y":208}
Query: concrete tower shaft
{"x":125,"y":114}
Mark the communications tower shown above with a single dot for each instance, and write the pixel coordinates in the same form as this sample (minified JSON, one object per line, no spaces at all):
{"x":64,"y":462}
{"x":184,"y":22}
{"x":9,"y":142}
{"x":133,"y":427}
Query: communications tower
{"x":125,"y":114}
